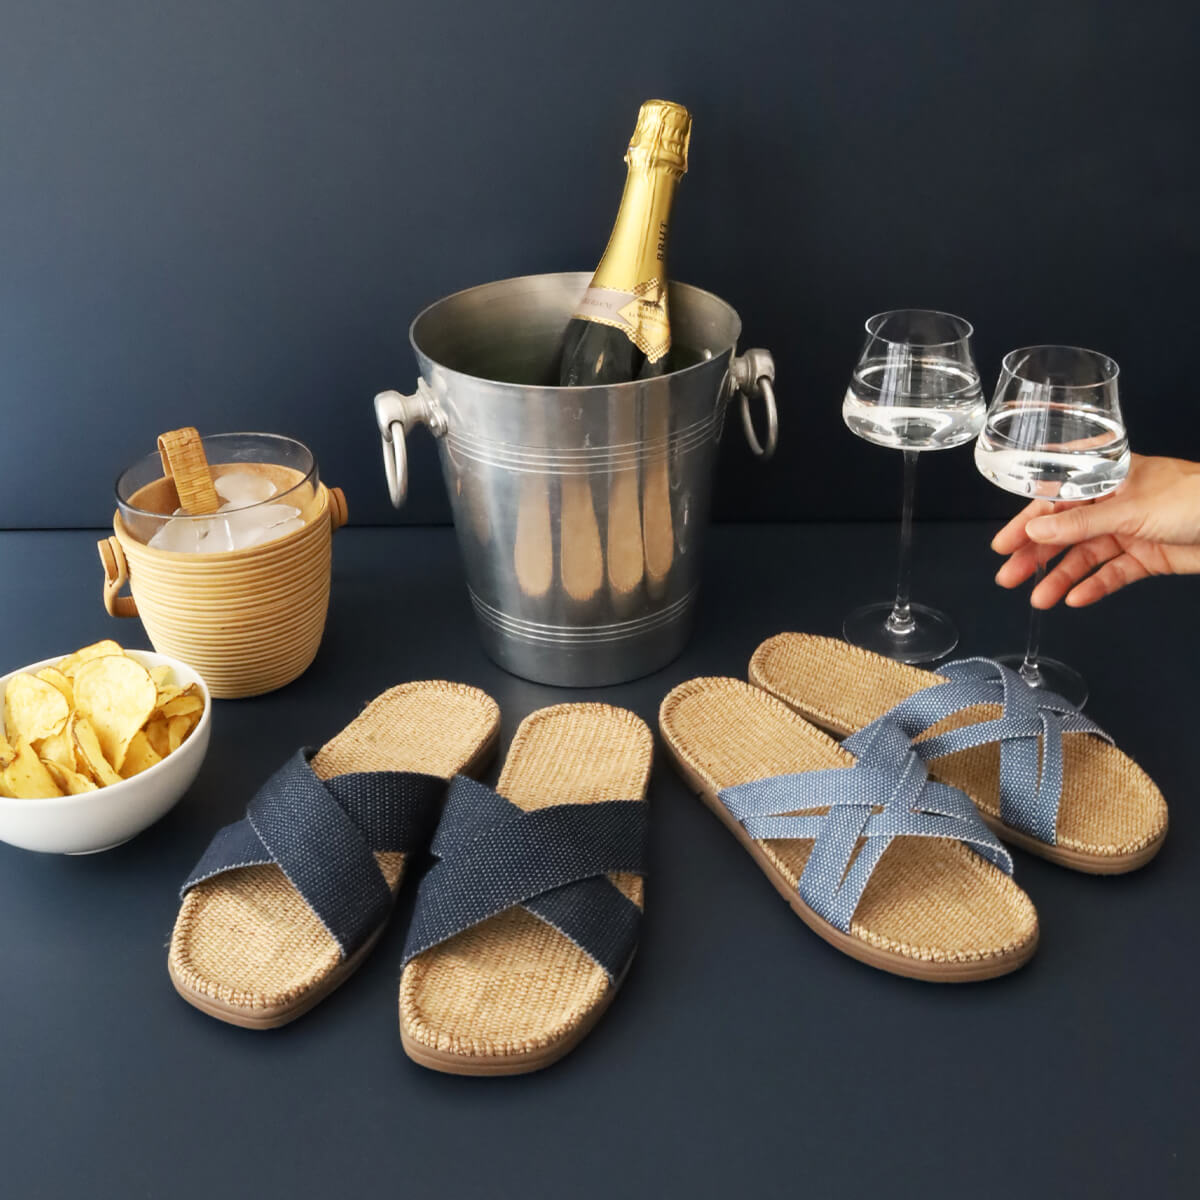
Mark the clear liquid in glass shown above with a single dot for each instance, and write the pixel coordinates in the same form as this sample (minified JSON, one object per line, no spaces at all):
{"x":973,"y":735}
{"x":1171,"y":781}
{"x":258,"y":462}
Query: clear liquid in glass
{"x":1075,"y":454}
{"x":923,"y":403}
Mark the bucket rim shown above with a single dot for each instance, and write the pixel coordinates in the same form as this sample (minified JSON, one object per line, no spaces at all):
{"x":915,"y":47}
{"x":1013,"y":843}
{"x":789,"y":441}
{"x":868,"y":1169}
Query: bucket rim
{"x":584,"y":278}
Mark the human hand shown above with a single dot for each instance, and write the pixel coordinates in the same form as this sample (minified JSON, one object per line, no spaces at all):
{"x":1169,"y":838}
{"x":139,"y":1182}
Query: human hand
{"x":1149,"y":526}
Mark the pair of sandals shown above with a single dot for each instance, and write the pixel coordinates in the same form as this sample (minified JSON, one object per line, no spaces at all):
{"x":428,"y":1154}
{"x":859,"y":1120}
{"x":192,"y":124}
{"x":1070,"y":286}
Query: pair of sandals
{"x":887,"y":841}
{"x":522,"y":928}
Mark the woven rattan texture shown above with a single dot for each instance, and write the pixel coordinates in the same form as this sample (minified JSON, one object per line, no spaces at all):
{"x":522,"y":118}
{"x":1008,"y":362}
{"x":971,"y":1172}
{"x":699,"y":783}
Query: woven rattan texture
{"x":249,"y":620}
{"x":246,"y":938}
{"x":930,"y":899}
{"x":515,"y":985}
{"x":1109,"y":806}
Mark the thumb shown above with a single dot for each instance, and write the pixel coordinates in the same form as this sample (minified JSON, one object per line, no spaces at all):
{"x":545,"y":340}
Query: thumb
{"x":1086,"y":521}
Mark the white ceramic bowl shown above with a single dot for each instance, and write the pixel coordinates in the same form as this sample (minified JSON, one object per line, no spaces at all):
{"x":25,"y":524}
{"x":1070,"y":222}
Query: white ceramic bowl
{"x":110,"y":815}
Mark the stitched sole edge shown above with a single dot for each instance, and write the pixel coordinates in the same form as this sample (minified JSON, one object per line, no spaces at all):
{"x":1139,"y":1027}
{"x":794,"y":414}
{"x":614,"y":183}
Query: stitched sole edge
{"x":856,"y":948}
{"x":1076,"y":860}
{"x":284,"y":1014}
{"x":273,"y":1018}
{"x":480,"y":1065}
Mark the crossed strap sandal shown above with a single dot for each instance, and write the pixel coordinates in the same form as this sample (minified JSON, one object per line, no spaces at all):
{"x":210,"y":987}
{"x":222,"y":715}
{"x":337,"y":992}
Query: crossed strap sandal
{"x":890,"y":867}
{"x":526,"y":924}
{"x":1044,"y":776}
{"x":286,"y":903}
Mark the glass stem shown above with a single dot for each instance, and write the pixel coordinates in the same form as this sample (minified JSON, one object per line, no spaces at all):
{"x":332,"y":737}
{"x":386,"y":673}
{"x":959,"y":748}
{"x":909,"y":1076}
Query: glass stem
{"x":900,"y":619}
{"x":1029,"y":669}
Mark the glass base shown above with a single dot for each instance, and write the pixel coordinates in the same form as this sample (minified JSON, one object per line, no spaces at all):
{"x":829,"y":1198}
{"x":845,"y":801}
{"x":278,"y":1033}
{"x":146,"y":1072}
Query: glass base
{"x":930,"y":635}
{"x":1052,"y":675}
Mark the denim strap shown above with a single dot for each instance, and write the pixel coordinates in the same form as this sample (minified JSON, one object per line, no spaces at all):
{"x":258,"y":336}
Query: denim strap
{"x":1029,"y":730}
{"x":886,"y":794}
{"x":553,"y":861}
{"x":323,"y":834}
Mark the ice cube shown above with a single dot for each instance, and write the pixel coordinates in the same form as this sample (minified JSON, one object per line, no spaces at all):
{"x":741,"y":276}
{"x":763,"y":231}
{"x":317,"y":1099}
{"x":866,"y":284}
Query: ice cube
{"x":216,"y":536}
{"x":263,"y":523}
{"x":241,"y":488}
{"x":177,"y":536}
{"x":234,"y":528}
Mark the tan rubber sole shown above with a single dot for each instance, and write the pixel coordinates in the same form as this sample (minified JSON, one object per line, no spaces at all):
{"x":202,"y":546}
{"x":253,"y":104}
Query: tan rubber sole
{"x":910,"y":968}
{"x":510,"y":1064}
{"x":273,"y":1018}
{"x":278,"y":1015}
{"x":1064,"y":856}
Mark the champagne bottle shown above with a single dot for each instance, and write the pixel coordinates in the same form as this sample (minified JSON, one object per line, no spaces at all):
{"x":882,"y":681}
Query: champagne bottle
{"x":622,"y":330}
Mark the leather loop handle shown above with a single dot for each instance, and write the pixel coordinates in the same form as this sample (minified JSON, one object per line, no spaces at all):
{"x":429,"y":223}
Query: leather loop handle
{"x":183,"y":460}
{"x":339,"y":514}
{"x":116,"y":575}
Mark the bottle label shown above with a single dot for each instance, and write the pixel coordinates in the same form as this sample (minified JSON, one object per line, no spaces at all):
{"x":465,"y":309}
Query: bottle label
{"x":640,"y":314}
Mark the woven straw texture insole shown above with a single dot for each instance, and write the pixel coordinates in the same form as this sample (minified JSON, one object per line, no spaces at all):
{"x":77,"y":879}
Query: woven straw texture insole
{"x":929,"y":898}
{"x":246,"y":938}
{"x":514,"y":985}
{"x":1110,"y":806}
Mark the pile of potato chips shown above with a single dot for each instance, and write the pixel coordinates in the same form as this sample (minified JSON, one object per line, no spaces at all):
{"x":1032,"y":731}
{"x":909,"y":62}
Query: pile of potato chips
{"x":94,"y":719}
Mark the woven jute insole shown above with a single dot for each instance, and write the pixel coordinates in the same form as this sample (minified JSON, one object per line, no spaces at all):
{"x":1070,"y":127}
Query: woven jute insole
{"x":245,"y":943}
{"x":931,"y":905}
{"x":513,"y":993}
{"x":1111,"y":811}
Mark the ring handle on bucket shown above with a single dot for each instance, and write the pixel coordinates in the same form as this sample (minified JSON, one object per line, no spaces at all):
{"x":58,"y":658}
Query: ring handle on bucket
{"x":754,"y":372}
{"x":116,"y":575}
{"x":396,"y":414}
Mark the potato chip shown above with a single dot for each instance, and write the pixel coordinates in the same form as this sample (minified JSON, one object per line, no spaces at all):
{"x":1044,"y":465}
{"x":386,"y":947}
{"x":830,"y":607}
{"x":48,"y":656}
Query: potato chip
{"x":58,"y":748}
{"x":33,"y":708}
{"x":69,"y":665}
{"x":182,"y":706}
{"x":178,"y":728}
{"x":118,"y":697}
{"x":54,"y":677}
{"x":7,"y":753}
{"x":71,"y":782}
{"x":139,"y":756}
{"x":161,"y":676}
{"x":91,"y":757}
{"x":156,"y":735}
{"x":26,"y":777}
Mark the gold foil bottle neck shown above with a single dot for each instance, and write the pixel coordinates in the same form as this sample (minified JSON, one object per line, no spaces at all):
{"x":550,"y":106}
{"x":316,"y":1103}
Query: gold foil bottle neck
{"x":661,"y":136}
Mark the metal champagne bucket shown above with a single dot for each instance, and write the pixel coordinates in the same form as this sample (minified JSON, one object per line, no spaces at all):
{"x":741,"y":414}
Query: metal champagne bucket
{"x":580,"y":512}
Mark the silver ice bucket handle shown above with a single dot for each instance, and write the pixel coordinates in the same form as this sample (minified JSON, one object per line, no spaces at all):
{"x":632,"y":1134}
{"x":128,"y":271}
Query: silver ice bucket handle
{"x":754,"y":373}
{"x":396,"y":414}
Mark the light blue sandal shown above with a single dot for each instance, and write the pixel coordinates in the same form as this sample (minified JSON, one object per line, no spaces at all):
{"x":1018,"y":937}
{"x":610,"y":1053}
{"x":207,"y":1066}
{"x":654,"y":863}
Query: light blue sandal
{"x":892,"y":868}
{"x":1044,"y":776}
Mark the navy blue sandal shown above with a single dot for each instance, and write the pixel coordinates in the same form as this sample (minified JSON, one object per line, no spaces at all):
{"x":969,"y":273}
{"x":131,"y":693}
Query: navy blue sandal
{"x":287,"y":902}
{"x":526,"y":924}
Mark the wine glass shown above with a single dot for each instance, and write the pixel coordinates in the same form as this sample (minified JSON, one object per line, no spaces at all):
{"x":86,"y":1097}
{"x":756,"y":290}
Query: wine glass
{"x":915,"y":388}
{"x":1053,"y":432}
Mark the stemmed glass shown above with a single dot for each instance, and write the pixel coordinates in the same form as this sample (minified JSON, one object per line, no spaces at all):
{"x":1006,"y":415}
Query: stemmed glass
{"x":915,"y":388}
{"x":1053,"y":432}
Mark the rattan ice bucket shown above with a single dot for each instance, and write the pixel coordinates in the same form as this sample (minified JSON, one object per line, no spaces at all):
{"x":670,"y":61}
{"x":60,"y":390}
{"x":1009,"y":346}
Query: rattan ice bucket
{"x":580,"y":512}
{"x":248,"y":621}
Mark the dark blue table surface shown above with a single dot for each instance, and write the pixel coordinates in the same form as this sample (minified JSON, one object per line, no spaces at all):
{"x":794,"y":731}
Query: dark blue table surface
{"x":744,"y":1056}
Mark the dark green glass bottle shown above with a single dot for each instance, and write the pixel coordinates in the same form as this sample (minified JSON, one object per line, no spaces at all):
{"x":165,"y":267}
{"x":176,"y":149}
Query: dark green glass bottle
{"x":622,"y":329}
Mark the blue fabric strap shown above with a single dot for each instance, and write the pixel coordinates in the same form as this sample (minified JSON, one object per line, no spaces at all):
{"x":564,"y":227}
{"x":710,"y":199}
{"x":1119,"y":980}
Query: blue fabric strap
{"x":323,"y":834}
{"x":852,"y":814}
{"x":552,"y":861}
{"x":1029,"y":730}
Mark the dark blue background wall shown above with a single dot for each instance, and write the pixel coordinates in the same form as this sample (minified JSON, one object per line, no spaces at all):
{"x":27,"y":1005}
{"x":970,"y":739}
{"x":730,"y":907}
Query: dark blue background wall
{"x":226,"y":213}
